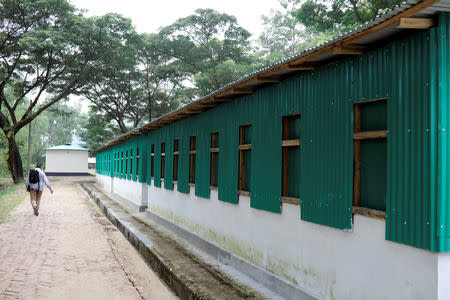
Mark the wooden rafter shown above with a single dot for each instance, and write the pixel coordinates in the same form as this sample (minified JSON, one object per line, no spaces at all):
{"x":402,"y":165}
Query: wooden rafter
{"x":242,"y":90}
{"x":415,"y":23}
{"x":268,"y":79}
{"x":347,"y":51}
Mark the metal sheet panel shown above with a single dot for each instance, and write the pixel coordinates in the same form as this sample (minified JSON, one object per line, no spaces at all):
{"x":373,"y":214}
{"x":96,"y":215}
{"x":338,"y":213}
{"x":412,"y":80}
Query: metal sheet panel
{"x":168,"y":173}
{"x":183,"y":163}
{"x":409,"y":180}
{"x":443,"y":138}
{"x":265,"y":184}
{"x":202,"y":161}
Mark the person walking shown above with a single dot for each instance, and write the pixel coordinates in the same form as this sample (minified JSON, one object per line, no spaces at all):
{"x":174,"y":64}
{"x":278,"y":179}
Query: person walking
{"x":35,"y":185}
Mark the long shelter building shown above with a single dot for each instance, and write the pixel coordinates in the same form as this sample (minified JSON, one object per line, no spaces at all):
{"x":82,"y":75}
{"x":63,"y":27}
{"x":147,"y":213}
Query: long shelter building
{"x":330,"y":170}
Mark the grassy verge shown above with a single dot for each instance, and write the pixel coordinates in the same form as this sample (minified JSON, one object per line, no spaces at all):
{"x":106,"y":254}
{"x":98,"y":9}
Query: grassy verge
{"x":10,"y":196}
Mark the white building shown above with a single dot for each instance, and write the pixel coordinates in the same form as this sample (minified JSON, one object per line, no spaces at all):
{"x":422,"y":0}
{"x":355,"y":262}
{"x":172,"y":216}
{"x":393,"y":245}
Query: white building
{"x":66,"y":160}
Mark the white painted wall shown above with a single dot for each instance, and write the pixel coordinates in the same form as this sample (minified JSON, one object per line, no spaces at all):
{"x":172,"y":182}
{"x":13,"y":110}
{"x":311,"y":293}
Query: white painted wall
{"x":128,"y":189}
{"x":327,"y":262}
{"x":105,"y":182}
{"x":63,"y":161}
{"x":444,"y":276}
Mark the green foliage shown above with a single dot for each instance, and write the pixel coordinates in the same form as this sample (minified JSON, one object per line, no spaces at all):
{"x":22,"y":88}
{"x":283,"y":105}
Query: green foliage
{"x":204,"y":46}
{"x":284,"y":36}
{"x":97,"y":130}
{"x":10,"y":196}
{"x":54,"y":126}
{"x":339,"y":16}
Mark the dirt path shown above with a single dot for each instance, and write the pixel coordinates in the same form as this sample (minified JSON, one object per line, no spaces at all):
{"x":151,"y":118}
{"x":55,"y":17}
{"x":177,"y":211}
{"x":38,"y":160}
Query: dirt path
{"x":70,"y":251}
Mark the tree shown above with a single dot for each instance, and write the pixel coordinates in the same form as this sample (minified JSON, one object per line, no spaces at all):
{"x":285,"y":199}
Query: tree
{"x":284,"y":36}
{"x":339,"y":16}
{"x":47,"y":50}
{"x":207,"y":45}
{"x":113,"y":86}
{"x":97,"y":129}
{"x":54,"y":126}
{"x":161,"y":80}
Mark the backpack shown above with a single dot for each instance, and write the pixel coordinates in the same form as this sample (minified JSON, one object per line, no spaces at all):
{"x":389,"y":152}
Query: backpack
{"x":34,"y":176}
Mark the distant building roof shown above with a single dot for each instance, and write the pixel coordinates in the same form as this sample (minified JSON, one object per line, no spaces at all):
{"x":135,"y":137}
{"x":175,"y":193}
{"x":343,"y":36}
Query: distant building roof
{"x":67,"y":147}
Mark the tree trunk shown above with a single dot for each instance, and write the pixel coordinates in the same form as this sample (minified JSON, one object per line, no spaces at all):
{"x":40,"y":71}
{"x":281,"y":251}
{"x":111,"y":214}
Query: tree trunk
{"x":14,"y":160}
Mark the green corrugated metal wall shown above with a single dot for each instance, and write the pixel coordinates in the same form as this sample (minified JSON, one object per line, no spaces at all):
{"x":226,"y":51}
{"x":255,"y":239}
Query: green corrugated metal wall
{"x":443,"y":139}
{"x":412,"y":72}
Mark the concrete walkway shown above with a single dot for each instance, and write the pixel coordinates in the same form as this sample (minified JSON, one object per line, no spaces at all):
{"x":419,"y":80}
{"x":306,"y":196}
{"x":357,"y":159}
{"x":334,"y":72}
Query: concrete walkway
{"x":71,"y":251}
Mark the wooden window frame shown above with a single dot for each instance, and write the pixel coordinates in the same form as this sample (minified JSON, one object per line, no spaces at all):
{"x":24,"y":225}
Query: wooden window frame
{"x":192,"y":156}
{"x":241,"y":171}
{"x":287,"y":144}
{"x":358,"y":136}
{"x":214,"y":162}
{"x":176,"y":143}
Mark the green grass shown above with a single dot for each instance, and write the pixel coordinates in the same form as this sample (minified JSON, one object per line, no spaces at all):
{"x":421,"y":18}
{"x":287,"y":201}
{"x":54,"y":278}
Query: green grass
{"x":10,"y":195}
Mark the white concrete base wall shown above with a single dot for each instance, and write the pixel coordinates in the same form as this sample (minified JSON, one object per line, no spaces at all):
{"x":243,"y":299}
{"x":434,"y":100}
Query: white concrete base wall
{"x":327,"y":262}
{"x":134,"y":191}
{"x":104,"y":181}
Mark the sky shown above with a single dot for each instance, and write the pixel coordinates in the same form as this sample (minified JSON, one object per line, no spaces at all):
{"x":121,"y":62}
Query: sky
{"x":148,"y":16}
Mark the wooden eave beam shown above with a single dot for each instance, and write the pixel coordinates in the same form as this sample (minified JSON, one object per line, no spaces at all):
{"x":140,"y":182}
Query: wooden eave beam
{"x":347,"y":51}
{"x":415,"y":23}
{"x":222,"y":98}
{"x":304,"y":67}
{"x":261,"y":78}
{"x":207,"y":104}
{"x":242,"y":90}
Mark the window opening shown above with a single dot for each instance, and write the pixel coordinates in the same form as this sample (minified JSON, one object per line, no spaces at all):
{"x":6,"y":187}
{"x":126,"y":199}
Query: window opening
{"x":175,"y":159}
{"x":137,"y":163}
{"x":126,"y":165}
{"x":131,"y":162}
{"x":370,"y":155}
{"x":214,"y":172}
{"x":163,"y":159}
{"x":152,"y":161}
{"x":245,"y":147}
{"x":192,"y":153}
{"x":290,"y":145}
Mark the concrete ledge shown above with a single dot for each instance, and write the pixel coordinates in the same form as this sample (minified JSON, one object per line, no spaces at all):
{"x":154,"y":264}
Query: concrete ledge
{"x":272,"y":282}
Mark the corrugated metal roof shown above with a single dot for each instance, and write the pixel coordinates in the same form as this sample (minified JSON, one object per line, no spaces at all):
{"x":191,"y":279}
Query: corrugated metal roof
{"x":381,"y":27}
{"x":67,"y":147}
